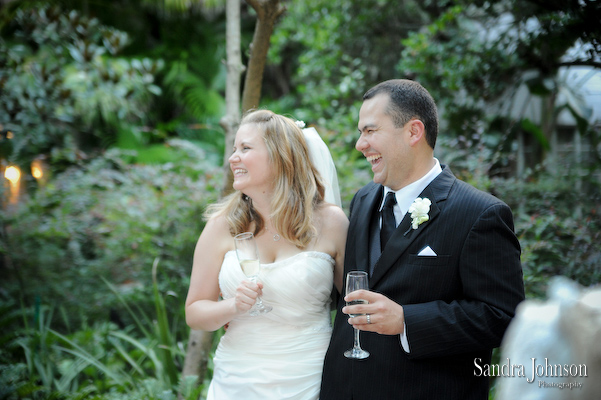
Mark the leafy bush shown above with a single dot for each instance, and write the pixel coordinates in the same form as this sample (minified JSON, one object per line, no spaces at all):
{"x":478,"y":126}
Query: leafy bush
{"x":108,"y":219}
{"x":63,"y":89}
{"x":330,"y":69}
{"x":559,"y":227}
{"x":556,"y":214}
{"x":101,"y":360}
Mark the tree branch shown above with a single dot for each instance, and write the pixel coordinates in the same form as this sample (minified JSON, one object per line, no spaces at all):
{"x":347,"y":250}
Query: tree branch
{"x":580,"y":63}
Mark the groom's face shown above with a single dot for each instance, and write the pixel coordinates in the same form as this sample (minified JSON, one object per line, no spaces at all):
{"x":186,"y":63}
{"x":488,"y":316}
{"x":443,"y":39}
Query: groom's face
{"x":384,"y":146}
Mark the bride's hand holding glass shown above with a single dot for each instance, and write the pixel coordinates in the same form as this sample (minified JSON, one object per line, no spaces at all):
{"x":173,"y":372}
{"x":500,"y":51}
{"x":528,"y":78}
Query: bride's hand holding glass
{"x":248,"y":256}
{"x":247,"y":293}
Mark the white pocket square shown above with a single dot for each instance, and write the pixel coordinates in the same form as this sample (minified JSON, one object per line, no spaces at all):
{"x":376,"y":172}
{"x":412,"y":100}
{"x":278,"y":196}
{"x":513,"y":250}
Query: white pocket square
{"x":427,"y":252}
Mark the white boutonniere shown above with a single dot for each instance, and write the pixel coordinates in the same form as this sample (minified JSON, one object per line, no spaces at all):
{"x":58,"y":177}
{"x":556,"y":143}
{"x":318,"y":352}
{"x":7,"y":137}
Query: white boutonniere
{"x":419,"y":211}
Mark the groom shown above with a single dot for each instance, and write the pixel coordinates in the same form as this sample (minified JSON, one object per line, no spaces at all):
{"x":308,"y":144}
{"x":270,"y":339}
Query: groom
{"x":444,"y":264}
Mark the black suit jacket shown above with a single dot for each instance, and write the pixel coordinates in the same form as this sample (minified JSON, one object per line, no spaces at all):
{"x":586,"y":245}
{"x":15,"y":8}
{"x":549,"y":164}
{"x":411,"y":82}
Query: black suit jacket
{"x":457,"y":304}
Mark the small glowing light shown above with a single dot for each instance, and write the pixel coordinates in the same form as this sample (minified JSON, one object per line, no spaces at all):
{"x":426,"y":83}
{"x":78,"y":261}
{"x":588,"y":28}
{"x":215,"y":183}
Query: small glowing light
{"x":37,"y":171}
{"x":9,"y":135}
{"x":13,"y":174}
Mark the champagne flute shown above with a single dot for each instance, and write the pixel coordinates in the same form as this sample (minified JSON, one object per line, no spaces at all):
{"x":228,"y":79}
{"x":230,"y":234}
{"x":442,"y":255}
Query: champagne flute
{"x":356,"y":280}
{"x":248,"y":256}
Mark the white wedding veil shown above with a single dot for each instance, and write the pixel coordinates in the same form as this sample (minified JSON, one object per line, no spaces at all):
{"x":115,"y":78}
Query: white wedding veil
{"x":323,"y":162}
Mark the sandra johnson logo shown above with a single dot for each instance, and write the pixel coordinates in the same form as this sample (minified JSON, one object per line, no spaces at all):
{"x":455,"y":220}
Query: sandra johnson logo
{"x":537,"y":369}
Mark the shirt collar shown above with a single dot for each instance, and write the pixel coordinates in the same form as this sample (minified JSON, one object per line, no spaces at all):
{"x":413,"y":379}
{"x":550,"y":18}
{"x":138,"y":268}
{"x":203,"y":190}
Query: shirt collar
{"x":405,"y":196}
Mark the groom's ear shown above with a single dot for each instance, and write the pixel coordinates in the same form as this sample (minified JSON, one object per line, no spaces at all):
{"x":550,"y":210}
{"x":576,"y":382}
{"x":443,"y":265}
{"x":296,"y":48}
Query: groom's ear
{"x":417,"y":131}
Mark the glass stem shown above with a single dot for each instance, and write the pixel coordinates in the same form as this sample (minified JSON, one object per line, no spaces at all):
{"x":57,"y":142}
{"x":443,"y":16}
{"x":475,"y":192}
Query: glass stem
{"x":357,"y":345}
{"x":259,"y":302}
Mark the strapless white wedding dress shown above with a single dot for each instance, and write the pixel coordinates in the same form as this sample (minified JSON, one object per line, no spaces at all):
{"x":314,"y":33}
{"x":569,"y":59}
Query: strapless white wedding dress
{"x":278,"y":355}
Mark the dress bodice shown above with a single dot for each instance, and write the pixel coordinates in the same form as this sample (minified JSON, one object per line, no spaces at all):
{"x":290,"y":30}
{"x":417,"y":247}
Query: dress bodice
{"x":298,"y":288}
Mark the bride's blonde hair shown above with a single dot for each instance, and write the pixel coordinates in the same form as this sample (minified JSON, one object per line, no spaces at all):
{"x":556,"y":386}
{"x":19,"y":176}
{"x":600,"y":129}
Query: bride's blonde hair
{"x":298,"y":187}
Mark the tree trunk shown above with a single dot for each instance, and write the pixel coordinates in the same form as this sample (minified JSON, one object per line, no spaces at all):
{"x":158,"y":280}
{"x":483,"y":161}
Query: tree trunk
{"x":197,"y":352}
{"x":521,"y":158}
{"x":234,"y":67}
{"x":549,"y":128}
{"x":267,"y":13}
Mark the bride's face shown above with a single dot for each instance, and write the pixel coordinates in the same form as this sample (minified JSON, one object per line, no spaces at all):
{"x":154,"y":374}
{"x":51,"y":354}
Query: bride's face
{"x":249,"y":162}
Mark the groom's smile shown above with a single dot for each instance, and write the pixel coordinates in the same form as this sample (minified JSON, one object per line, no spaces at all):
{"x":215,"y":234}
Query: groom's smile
{"x":374,"y":160}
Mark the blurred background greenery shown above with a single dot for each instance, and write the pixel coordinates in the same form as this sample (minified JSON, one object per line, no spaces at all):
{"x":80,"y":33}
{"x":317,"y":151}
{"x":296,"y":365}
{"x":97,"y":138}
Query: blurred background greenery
{"x":111,"y":148}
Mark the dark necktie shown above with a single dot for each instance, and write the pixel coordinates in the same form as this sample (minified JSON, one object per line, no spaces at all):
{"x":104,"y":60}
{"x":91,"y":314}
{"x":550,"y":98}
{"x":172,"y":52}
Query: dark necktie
{"x":388,"y":221}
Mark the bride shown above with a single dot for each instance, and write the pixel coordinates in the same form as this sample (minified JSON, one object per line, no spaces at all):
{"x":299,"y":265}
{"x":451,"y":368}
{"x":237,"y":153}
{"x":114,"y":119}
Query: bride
{"x":280,"y":177}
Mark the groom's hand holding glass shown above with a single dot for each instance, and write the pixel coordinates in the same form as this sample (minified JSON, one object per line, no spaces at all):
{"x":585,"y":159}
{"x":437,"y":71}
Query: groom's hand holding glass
{"x":382,"y":315}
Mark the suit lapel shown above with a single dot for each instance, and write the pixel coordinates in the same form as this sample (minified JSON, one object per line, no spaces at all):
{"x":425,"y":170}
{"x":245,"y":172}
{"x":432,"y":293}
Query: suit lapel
{"x":362,"y":213}
{"x":437,"y":191}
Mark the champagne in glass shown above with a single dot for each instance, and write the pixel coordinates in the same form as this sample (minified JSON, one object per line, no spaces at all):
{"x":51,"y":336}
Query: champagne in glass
{"x":248,"y":256}
{"x":355,"y":302}
{"x":250,"y":267}
{"x":356,"y":280}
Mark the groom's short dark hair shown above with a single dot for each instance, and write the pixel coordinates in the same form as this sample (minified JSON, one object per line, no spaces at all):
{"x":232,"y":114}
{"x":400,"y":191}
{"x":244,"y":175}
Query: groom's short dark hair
{"x":408,"y":100}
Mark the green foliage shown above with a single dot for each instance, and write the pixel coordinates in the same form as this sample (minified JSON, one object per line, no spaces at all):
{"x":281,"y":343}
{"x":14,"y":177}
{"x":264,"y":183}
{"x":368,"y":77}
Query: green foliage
{"x":332,"y":67}
{"x":476,"y":56}
{"x":110,"y":92}
{"x":191,"y":90}
{"x":100,"y":361}
{"x":558,"y":223}
{"x":464,"y":67}
{"x":557,"y":216}
{"x":63,"y":91}
{"x":562,"y":23}
{"x":108,"y":219}
{"x":167,"y":344}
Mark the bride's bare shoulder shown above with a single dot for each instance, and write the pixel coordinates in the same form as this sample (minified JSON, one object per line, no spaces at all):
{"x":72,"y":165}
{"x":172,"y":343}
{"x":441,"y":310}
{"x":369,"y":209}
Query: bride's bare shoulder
{"x":217,"y":223}
{"x":331,"y":213}
{"x":332,"y":221}
{"x":216,"y":235}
